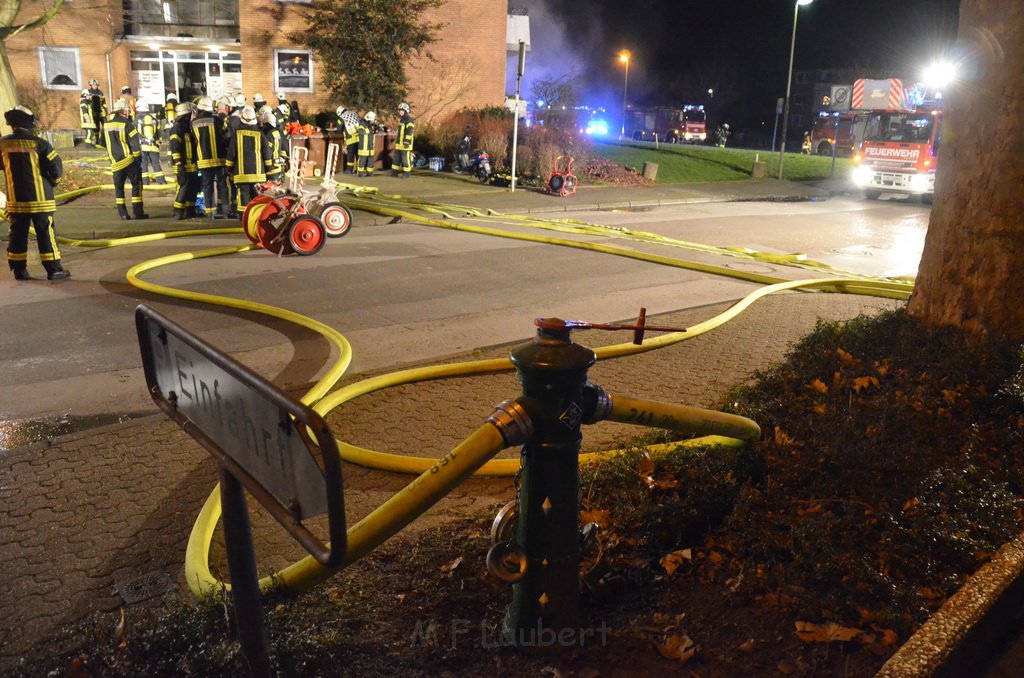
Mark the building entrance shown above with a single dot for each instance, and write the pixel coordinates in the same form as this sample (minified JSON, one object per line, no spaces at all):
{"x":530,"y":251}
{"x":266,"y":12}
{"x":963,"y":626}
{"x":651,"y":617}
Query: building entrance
{"x":155,"y":74}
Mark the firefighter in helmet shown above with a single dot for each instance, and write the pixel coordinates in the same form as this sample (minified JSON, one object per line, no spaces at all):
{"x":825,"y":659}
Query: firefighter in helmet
{"x":207,"y":130}
{"x":99,"y":110}
{"x":276,"y":142}
{"x":85,"y":119}
{"x":125,"y":150}
{"x":402,"y":164}
{"x":365,"y":159}
{"x":149,"y":133}
{"x":249,"y":157}
{"x":31,"y":168}
{"x":183,"y":159}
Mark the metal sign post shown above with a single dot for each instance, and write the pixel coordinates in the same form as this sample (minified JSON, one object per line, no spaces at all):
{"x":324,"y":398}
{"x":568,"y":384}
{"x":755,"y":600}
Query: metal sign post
{"x":263,"y":441}
{"x":515,"y":125}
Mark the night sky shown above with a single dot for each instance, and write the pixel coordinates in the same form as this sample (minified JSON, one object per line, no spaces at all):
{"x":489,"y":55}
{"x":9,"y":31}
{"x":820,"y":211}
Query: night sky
{"x":740,"y":48}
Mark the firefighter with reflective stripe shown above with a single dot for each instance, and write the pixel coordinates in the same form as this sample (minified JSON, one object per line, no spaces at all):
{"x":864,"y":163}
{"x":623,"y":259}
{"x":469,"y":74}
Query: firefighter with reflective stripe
{"x":85,"y":119}
{"x":129,"y":101}
{"x":366,"y":147}
{"x":249,"y":157}
{"x":170,"y":111}
{"x":402,"y":164}
{"x":231,"y":125}
{"x":276,"y":142}
{"x":349,"y":122}
{"x":124,"y":150}
{"x":282,"y":111}
{"x":208,"y":132}
{"x":31,"y":168}
{"x":99,"y":110}
{"x":149,"y":133}
{"x":183,"y":159}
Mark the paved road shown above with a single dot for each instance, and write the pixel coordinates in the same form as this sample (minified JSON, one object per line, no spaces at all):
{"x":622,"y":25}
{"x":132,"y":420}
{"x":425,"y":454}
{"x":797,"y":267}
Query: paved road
{"x":403,"y":293}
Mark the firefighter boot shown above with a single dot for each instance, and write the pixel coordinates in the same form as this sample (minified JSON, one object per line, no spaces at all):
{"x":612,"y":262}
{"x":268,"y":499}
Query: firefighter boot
{"x":122,"y":212}
{"x":137,"y":211}
{"x":54,"y":271}
{"x":21,"y":273}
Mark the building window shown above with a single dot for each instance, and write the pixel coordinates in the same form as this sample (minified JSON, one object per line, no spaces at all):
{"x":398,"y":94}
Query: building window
{"x":800,"y":77}
{"x":293,"y":70}
{"x":59,"y":67}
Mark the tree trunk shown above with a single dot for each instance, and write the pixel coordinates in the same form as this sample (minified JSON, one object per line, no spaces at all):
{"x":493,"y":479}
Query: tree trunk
{"x":972,"y":269}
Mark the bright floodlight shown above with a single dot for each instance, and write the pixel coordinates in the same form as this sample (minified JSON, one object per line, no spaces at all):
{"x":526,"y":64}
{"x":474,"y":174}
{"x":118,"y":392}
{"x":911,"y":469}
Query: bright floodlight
{"x":624,"y":56}
{"x":940,"y":74}
{"x":804,"y":2}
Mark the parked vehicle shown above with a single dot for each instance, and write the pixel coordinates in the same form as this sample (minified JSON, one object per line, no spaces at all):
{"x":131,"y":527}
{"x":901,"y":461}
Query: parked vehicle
{"x":468,"y":161}
{"x":842,"y":131}
{"x":668,"y":124}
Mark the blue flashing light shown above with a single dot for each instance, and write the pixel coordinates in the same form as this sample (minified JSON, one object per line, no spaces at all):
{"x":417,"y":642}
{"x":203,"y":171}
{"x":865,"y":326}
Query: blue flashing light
{"x":597,"y":128}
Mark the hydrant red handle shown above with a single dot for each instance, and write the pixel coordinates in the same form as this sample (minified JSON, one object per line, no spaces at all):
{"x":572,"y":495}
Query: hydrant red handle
{"x":641,"y":326}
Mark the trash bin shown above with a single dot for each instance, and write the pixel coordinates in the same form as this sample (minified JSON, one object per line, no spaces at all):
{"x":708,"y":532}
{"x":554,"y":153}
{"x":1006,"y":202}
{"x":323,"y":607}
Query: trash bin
{"x":758,"y":169}
{"x":383,"y":147}
{"x":650,"y":171}
{"x":316,"y":144}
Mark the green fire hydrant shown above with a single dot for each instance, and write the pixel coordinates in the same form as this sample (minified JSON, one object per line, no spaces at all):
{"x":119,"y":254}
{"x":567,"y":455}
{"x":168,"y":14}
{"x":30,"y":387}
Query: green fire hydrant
{"x":556,"y":400}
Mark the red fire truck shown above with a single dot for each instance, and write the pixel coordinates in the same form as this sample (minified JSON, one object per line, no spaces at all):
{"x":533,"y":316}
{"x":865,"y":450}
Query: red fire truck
{"x":901,"y":141}
{"x":843,"y":131}
{"x":665,"y":123}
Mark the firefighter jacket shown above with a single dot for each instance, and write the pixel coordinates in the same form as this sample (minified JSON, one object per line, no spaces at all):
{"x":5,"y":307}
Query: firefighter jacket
{"x":182,"y":145}
{"x":149,"y":132}
{"x":249,"y":156}
{"x":209,"y":138}
{"x":282,"y":112}
{"x":32,"y":168}
{"x":278,"y":145}
{"x":406,"y":130}
{"x":123,"y":145}
{"x":99,"y":104}
{"x":85,"y":119}
{"x":365,"y":138}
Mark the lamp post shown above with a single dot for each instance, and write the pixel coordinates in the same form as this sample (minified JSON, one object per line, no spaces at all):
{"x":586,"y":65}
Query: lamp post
{"x":789,"y":83}
{"x":624,"y":58}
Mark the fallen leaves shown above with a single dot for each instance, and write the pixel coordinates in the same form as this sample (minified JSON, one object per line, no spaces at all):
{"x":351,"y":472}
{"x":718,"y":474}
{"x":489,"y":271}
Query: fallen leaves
{"x":825,"y":633}
{"x":672,"y":561}
{"x":678,"y":647}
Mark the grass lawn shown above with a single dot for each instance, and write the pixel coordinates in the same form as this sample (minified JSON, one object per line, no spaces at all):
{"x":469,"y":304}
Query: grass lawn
{"x":678,"y":163}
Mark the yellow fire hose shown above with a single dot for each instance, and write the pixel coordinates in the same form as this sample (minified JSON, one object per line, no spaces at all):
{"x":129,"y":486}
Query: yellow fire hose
{"x":474,"y":455}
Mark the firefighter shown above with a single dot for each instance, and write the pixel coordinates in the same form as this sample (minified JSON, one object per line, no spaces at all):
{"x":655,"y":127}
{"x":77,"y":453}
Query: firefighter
{"x":349,"y":123}
{"x":99,"y":110}
{"x":207,"y":130}
{"x":277,"y":143}
{"x":231,"y":124}
{"x":183,"y":158}
{"x":258,"y":102}
{"x":283,"y":111}
{"x":402,"y":164}
{"x":129,"y":100}
{"x":124,"y":150}
{"x":805,"y":146}
{"x":365,"y":160}
{"x":170,"y":111}
{"x":31,"y":168}
{"x":85,"y":119}
{"x":249,"y":158}
{"x":149,"y":133}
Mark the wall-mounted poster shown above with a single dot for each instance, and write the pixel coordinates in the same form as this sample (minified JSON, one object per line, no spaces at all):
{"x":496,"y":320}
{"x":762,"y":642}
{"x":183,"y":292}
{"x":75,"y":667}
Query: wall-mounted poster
{"x":293,"y":70}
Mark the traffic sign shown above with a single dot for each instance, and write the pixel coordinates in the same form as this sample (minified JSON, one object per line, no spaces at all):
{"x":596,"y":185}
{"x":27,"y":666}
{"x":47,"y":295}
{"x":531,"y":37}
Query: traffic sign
{"x":840,"y":98}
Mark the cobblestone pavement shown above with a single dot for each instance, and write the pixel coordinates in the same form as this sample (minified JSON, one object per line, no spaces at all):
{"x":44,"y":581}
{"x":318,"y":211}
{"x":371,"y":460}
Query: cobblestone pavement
{"x":90,"y":520}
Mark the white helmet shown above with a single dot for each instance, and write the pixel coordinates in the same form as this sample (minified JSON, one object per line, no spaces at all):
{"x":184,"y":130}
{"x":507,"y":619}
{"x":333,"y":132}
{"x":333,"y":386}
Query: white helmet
{"x":183,"y":108}
{"x":340,"y":111}
{"x":141,"y":107}
{"x":119,"y":105}
{"x":205,"y":104}
{"x":248,"y":114}
{"x":94,"y":83}
{"x":371,"y":117}
{"x":267,"y":117}
{"x":238,"y":100}
{"x":725,"y":126}
{"x":258,"y":99}
{"x":172,"y":97}
{"x":403,"y":107}
{"x":85,"y":93}
{"x":280,"y":96}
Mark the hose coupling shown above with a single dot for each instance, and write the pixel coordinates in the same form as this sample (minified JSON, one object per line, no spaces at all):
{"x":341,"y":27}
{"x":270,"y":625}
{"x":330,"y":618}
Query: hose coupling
{"x":599,"y":403}
{"x":512,"y":421}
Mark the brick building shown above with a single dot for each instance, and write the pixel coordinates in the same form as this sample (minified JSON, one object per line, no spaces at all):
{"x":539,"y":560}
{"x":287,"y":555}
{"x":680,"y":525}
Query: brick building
{"x":215,"y":47}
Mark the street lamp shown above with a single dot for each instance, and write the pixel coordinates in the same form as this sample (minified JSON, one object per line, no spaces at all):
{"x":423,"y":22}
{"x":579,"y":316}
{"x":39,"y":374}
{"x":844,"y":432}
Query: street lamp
{"x":789,"y":83}
{"x":624,"y":58}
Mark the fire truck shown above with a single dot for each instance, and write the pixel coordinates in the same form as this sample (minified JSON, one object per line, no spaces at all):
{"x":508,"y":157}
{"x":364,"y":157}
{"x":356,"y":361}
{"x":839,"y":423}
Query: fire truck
{"x":901,"y":139}
{"x":842,"y":131}
{"x":665,"y":123}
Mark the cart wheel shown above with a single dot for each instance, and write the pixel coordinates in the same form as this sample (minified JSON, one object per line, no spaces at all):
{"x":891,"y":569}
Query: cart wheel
{"x":336,"y":218}
{"x":555,"y":183}
{"x":251,"y":216}
{"x":306,"y":235}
